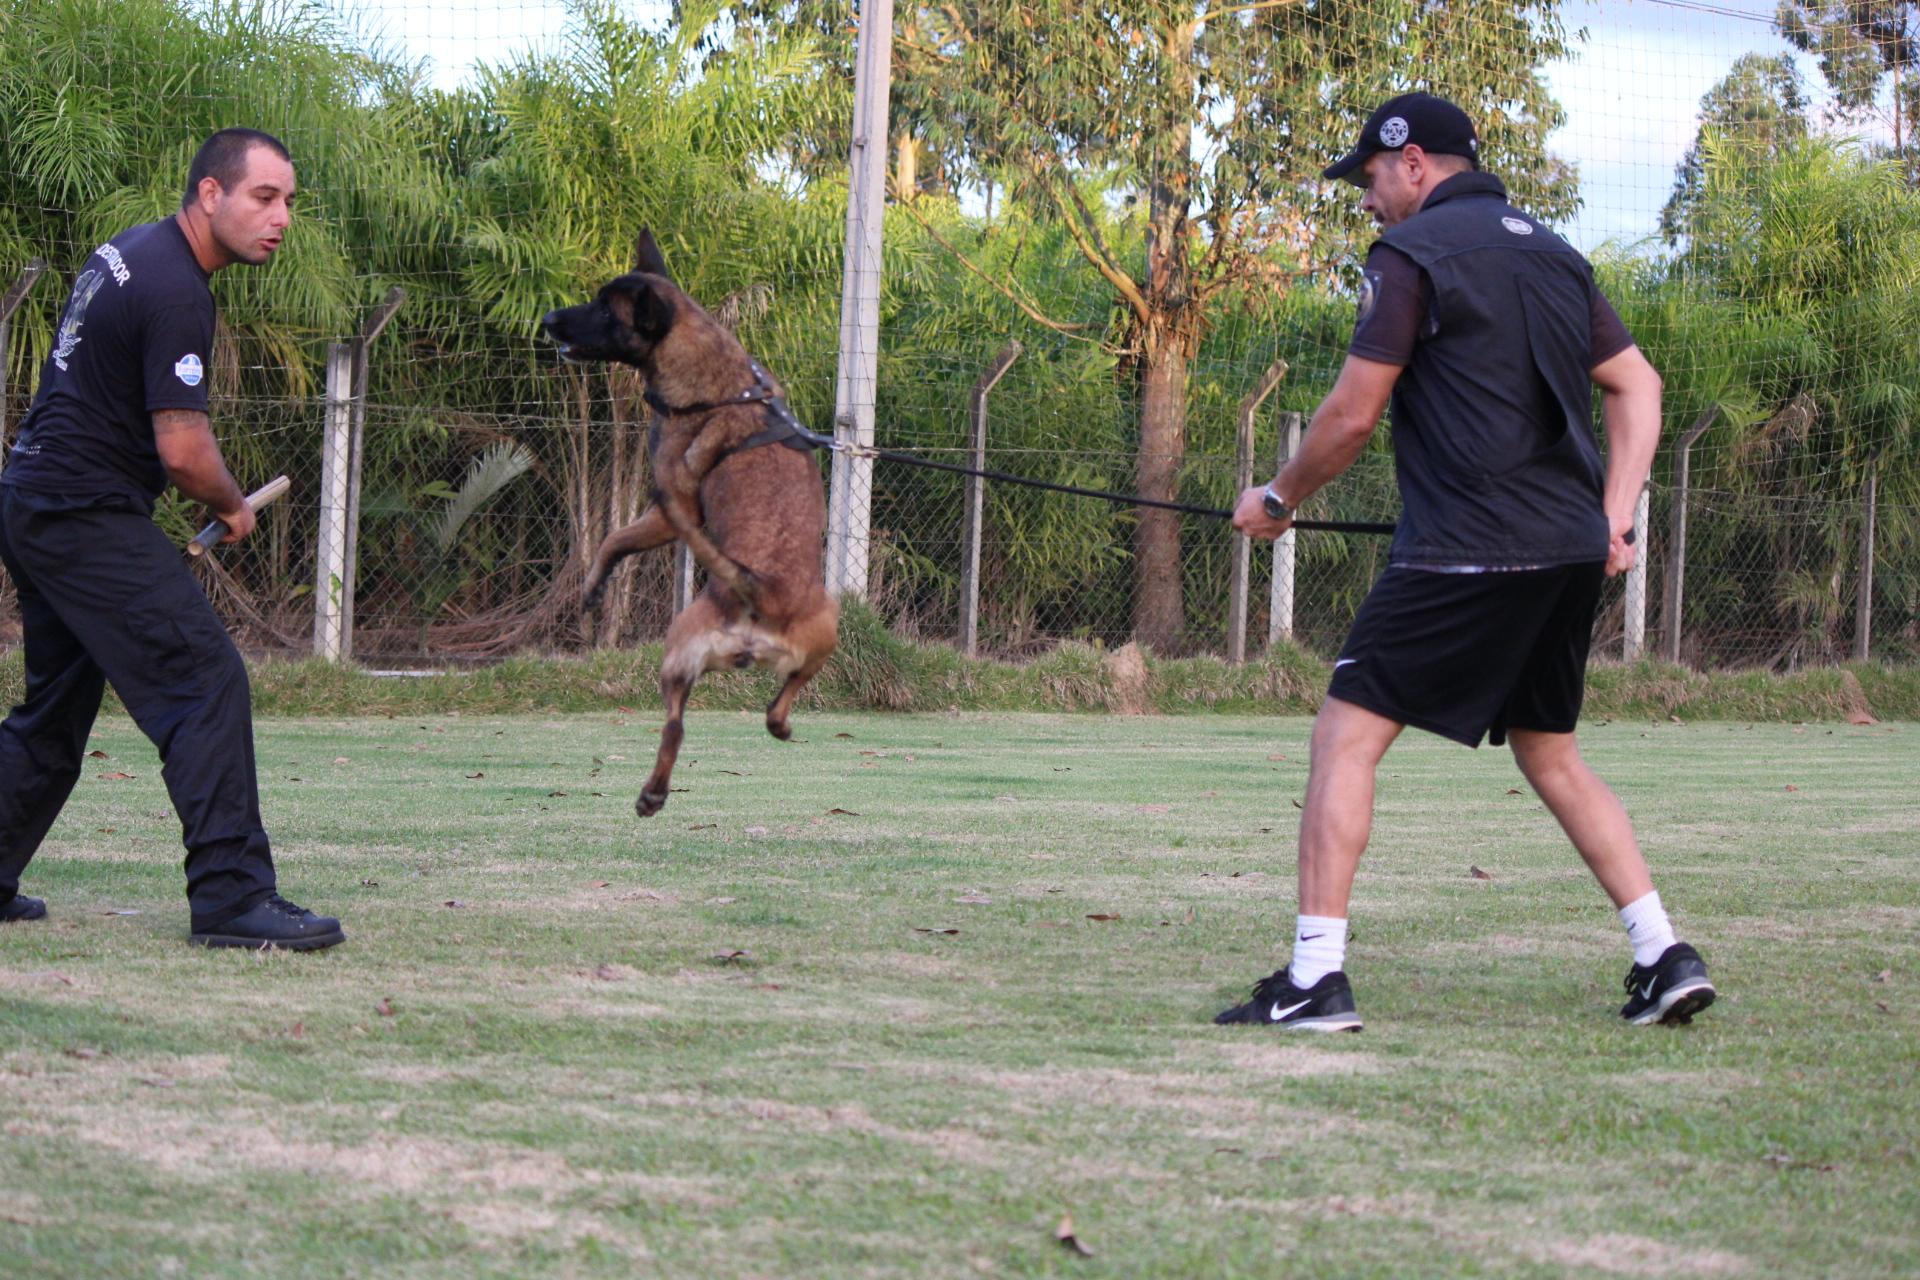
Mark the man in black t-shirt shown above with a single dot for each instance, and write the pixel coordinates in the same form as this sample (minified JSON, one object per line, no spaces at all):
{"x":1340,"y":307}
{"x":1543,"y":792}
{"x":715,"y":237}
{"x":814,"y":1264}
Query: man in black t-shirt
{"x":1488,"y":333}
{"x":121,"y":413}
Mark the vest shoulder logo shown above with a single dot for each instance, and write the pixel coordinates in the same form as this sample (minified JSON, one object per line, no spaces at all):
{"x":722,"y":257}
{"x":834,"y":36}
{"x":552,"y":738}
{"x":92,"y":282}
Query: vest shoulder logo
{"x":1516,"y":226}
{"x":188,"y":369}
{"x":1393,"y":132}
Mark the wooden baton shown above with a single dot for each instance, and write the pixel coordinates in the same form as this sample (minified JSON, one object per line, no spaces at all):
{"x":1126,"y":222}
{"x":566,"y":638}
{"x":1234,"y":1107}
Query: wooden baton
{"x":217,"y":530}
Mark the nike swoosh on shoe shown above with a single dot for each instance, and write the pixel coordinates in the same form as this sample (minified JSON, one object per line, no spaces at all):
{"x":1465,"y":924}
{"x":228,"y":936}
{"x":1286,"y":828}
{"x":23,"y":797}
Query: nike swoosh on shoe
{"x":1276,"y":1013}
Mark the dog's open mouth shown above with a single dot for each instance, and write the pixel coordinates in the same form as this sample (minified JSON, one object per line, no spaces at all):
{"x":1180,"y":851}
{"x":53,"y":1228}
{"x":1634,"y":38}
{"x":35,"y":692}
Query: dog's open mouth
{"x":566,"y":352}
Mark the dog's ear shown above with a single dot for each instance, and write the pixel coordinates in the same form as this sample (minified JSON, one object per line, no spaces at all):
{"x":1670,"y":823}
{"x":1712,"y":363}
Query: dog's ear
{"x":647,"y":256}
{"x":652,"y":313}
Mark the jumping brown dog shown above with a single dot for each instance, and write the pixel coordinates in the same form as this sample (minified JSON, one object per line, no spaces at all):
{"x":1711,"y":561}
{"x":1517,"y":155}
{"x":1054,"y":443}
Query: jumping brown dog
{"x":733,"y":477}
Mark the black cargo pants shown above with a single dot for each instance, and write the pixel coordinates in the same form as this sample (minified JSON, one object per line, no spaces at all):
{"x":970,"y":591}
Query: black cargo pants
{"x":105,"y":596}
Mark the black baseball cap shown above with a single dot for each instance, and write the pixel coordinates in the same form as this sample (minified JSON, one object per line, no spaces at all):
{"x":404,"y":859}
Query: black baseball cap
{"x":1433,"y":124}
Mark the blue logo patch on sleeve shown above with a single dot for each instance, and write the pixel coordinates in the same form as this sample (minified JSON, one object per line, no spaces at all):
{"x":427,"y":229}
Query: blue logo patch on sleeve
{"x":187,"y":368}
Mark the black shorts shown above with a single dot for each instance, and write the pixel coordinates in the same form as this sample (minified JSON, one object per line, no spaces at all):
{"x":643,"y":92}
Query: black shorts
{"x":1466,"y":655}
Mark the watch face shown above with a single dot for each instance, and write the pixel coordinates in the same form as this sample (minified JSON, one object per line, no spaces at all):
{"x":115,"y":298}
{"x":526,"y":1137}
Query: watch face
{"x":1275,"y":508}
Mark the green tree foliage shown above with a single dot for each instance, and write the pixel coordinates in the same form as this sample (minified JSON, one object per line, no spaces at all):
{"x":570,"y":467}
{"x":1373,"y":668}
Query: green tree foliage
{"x":1179,"y":145}
{"x":1793,"y":309}
{"x":1862,"y":44}
{"x":1756,"y":110}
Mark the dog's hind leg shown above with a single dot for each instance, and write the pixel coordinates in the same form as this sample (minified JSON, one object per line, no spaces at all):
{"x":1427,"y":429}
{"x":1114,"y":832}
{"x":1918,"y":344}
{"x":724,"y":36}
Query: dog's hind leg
{"x":815,"y":636}
{"x":689,"y":641}
{"x":651,"y":530}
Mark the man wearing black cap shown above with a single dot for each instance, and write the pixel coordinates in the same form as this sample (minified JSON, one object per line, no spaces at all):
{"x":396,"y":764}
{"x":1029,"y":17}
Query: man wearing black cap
{"x":1487,"y":333}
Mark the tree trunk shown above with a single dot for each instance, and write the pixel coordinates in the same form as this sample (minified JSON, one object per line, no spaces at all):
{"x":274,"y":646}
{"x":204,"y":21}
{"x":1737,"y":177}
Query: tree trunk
{"x":1168,"y":340}
{"x":1159,"y":620}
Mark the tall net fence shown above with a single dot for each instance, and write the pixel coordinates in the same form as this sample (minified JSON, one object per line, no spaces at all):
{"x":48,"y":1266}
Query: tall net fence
{"x":1130,"y":192}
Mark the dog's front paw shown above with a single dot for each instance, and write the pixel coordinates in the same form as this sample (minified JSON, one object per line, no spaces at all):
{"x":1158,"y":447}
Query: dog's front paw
{"x":781,"y":729}
{"x":591,"y":595}
{"x":650,"y":803}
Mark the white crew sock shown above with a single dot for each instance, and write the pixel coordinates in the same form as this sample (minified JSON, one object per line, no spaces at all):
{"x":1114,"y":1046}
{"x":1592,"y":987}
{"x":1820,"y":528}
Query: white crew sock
{"x":1647,"y":928}
{"x":1319,"y":948}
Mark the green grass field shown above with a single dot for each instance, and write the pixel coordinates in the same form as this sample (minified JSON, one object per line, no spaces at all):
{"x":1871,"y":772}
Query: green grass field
{"x":896,"y":998}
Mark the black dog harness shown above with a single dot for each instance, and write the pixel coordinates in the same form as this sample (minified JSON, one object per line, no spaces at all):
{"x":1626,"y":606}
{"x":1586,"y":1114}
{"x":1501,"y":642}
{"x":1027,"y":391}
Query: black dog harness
{"x":783,"y":427}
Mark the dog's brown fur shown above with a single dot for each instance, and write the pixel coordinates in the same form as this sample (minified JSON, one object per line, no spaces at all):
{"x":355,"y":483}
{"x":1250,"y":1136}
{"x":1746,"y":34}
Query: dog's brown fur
{"x":752,"y":517}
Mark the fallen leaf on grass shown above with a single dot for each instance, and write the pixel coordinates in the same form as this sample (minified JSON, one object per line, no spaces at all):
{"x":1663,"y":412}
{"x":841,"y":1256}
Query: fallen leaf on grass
{"x":721,"y":902}
{"x":1064,"y":1234}
{"x":552,"y":794}
{"x":730,"y":957}
{"x":1881,"y":1005}
{"x":84,"y":1053}
{"x":55,"y":975}
{"x":1515,"y":791}
{"x":1791,"y":787}
{"x":1101,"y":915}
{"x":106,"y":831}
{"x":116,"y":776}
{"x":844,"y":812}
{"x":1298,"y":805}
{"x":1781,"y":1160}
{"x":1478,"y":874}
{"x":1885,"y":975}
{"x":1276,"y":757}
{"x":843,"y":735}
{"x":703,"y":826}
{"x":766,"y":986}
{"x":385,"y":1007}
{"x":454,"y":903}
{"x":735,"y":772}
{"x":97,"y":755}
{"x":600,"y":884}
{"x":370,"y":884}
{"x":974,"y":899}
{"x":122,"y":911}
{"x":298,"y":1031}
{"x":756,"y":831}
{"x":607,"y":973}
{"x":481,"y":774}
{"x":920,"y":929}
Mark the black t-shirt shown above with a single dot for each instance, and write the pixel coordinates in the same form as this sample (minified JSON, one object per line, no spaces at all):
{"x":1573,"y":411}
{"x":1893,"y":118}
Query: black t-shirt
{"x":1396,"y":311}
{"x":136,"y":336}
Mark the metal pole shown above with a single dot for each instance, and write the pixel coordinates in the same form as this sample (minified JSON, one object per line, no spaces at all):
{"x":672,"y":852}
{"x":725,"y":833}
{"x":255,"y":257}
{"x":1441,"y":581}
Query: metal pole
{"x":682,"y":577}
{"x":1863,"y":605}
{"x":1242,"y":545}
{"x":850,"y":515}
{"x":375,"y":322}
{"x":1636,"y":621}
{"x":336,"y":466}
{"x":1677,"y":553}
{"x":1280,"y":600}
{"x":8,"y":305}
{"x":976,"y":493}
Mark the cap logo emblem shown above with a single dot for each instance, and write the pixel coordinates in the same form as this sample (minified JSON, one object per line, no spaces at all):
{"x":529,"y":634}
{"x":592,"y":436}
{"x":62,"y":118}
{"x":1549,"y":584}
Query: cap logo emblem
{"x":1516,"y":226}
{"x":1393,"y":132}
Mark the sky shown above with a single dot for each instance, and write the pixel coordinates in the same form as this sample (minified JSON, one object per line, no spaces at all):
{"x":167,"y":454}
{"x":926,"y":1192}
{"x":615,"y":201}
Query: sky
{"x":1632,"y":90}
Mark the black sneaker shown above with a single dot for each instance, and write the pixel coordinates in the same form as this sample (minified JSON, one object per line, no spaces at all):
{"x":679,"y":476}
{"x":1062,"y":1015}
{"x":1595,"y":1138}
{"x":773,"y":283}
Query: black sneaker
{"x":1325,"y":1006}
{"x":21,"y":907}
{"x":1670,"y":990}
{"x":273,"y":923}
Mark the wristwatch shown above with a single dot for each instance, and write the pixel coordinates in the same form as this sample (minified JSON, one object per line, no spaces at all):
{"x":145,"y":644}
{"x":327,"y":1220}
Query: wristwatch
{"x":1275,"y":506}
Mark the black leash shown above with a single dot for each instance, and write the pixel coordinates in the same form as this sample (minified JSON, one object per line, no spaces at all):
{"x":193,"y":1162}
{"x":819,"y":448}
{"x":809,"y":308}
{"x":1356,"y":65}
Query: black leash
{"x":785,"y":429}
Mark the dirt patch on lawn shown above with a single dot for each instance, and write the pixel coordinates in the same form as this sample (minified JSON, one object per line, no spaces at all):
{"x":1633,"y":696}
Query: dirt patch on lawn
{"x":1636,"y":1256}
